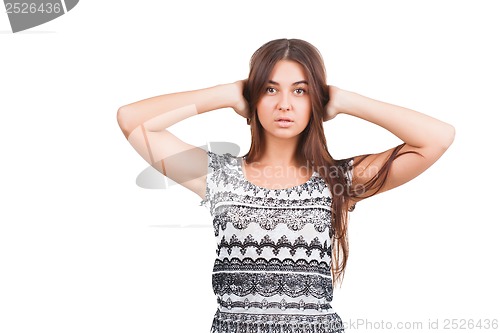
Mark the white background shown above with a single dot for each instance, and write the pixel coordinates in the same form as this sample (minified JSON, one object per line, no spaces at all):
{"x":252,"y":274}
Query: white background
{"x":84,"y":249}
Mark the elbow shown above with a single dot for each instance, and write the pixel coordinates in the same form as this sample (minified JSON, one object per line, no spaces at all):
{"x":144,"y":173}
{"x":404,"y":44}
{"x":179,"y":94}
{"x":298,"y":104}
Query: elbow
{"x":123,"y":119}
{"x":444,"y":138}
{"x":448,"y":136}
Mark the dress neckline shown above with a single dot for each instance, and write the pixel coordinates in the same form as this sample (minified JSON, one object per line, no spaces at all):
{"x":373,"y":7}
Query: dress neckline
{"x":242,"y":174}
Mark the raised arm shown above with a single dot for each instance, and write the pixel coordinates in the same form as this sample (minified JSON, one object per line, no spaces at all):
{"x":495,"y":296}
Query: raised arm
{"x":428,"y":137}
{"x":144,"y":124}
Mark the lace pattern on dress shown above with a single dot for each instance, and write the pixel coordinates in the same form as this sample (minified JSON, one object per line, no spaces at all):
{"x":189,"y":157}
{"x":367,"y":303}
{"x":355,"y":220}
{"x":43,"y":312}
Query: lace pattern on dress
{"x":275,"y":323}
{"x":272,"y":284}
{"x":274,"y":264}
{"x":272,"y":273}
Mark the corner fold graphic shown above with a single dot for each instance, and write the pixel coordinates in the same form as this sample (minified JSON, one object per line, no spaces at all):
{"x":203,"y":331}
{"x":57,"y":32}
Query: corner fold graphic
{"x":70,"y":4}
{"x":24,"y":15}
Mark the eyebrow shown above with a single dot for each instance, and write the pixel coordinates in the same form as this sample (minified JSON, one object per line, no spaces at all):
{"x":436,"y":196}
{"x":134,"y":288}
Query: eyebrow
{"x":293,"y":84}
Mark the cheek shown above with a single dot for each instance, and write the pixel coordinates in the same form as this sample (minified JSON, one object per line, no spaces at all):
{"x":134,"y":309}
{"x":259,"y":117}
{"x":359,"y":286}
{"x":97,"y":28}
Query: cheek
{"x":264,"y":108}
{"x":265,"y":103}
{"x":306,"y":108}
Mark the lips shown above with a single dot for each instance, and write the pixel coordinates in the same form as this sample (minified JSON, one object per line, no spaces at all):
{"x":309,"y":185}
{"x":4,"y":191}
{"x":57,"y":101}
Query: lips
{"x":284,"y":119}
{"x":284,"y":122}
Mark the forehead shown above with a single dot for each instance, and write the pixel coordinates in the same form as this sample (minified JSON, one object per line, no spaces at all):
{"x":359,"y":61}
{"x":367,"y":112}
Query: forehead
{"x":287,"y":72}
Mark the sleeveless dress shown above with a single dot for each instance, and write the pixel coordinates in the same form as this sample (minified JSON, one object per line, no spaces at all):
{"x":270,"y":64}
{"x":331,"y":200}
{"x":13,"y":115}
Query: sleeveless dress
{"x":272,"y":271}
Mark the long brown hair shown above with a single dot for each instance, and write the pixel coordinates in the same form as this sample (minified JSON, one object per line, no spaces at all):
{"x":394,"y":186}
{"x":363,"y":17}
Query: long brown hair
{"x":312,"y":145}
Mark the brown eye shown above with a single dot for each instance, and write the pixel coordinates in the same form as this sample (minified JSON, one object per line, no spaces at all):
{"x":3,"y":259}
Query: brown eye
{"x":300,"y":91}
{"x":270,"y":90}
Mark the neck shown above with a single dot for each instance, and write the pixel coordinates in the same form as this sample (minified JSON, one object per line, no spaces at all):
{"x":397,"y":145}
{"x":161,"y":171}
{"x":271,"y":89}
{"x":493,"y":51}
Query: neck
{"x":280,"y":152}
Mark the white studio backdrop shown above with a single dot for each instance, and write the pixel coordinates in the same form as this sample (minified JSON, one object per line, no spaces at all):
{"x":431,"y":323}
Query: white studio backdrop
{"x":84,"y":249}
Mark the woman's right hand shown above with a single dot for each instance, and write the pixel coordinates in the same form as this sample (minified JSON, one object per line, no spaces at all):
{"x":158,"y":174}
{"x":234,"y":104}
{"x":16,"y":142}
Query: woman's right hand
{"x":240,"y":104}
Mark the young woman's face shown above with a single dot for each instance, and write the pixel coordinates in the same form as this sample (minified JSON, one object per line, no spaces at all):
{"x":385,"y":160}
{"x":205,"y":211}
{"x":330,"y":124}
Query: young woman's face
{"x":285,"y":108}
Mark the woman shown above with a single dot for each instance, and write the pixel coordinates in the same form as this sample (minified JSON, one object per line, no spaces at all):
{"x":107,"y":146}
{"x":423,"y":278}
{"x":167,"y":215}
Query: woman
{"x":280,"y":211}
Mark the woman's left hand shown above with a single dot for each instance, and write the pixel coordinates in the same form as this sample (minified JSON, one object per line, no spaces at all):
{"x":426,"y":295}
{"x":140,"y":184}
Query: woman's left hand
{"x":331,"y":109}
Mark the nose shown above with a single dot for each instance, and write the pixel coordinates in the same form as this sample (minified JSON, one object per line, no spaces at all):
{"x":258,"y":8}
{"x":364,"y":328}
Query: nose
{"x":284,"y":104}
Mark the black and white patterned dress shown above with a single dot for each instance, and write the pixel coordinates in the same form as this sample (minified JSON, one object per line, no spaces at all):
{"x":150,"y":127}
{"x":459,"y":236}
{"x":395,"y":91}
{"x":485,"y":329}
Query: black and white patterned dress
{"x":273,"y":268}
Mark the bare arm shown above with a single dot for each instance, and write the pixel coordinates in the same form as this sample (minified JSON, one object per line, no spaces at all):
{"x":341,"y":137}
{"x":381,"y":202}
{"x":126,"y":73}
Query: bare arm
{"x":144,"y":124}
{"x":427,"y":136}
